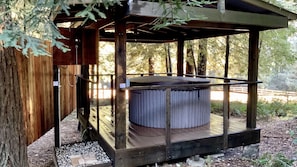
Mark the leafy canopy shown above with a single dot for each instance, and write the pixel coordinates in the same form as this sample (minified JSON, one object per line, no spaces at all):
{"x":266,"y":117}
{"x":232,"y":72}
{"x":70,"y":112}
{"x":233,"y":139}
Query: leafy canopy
{"x":27,"y":24}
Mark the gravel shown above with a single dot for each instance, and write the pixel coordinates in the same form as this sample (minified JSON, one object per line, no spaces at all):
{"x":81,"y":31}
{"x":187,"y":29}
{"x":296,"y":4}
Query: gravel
{"x":81,"y":154}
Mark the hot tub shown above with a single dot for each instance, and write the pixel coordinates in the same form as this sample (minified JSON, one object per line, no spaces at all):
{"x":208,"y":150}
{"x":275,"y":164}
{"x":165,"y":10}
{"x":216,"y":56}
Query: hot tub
{"x":190,"y":107}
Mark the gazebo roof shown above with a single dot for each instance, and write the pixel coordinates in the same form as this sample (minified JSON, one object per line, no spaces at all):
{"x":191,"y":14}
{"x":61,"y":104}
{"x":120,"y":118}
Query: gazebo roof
{"x":240,"y":16}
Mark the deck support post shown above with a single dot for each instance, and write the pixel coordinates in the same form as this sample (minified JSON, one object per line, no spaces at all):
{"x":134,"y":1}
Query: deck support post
{"x":120,"y":80}
{"x":180,"y":56}
{"x":252,"y":76}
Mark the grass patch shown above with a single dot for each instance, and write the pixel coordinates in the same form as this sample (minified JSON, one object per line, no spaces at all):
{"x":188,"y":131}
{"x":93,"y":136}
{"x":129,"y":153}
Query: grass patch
{"x":237,"y":109}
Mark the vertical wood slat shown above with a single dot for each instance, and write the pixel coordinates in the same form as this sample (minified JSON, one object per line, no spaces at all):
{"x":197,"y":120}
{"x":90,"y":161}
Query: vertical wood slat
{"x":37,"y":93}
{"x":252,"y":76}
{"x":68,"y":91}
{"x":23,"y":64}
{"x":168,"y":123}
{"x":180,"y":57}
{"x":120,"y":78}
{"x":83,"y":44}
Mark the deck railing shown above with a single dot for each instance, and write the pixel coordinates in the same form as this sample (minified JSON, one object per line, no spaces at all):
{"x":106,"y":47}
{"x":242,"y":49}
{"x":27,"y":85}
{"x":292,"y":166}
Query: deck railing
{"x":96,"y":83}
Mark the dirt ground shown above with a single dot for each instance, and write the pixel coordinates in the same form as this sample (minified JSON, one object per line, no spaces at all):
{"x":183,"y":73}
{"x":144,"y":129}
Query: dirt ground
{"x":275,"y":138}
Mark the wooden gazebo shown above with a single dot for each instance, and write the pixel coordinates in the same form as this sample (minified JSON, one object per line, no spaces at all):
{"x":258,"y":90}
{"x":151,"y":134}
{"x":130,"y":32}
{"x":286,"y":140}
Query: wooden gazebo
{"x":132,"y":22}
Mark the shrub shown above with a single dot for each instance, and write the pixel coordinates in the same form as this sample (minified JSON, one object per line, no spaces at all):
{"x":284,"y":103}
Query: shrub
{"x":270,"y":160}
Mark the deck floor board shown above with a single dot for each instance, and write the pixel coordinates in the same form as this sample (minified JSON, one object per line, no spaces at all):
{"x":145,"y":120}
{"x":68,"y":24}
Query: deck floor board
{"x":139,"y":136}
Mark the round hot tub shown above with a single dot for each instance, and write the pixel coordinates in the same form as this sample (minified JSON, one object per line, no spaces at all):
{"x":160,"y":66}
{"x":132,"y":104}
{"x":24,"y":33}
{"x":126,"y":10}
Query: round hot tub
{"x":190,"y":107}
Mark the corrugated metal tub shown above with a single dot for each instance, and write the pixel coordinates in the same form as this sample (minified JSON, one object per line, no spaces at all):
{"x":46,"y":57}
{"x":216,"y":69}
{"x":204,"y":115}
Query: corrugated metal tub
{"x":189,"y":107}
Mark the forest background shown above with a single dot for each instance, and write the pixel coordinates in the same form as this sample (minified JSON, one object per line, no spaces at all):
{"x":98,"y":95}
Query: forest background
{"x":277,"y":60}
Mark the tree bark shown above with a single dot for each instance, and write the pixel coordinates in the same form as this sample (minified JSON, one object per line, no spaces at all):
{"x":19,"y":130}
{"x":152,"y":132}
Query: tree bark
{"x":13,"y":148}
{"x":168,"y":60}
{"x":202,"y":59}
{"x":190,"y":60}
{"x":227,"y":56}
{"x":151,"y":65}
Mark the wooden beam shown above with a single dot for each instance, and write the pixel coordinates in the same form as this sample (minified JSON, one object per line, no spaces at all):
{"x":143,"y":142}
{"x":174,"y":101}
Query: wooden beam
{"x":120,"y":79}
{"x":271,"y":7}
{"x":152,"y":9}
{"x":252,"y":76}
{"x":100,"y":24}
{"x":147,"y":155}
{"x":180,"y":56}
{"x":139,"y":156}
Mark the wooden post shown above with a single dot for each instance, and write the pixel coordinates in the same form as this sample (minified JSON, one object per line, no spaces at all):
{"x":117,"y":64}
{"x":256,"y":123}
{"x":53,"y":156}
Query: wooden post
{"x":227,"y":69}
{"x":252,"y":76}
{"x":84,"y":89}
{"x":120,"y":79}
{"x":97,"y":100}
{"x":226,"y":108}
{"x":112,"y":95}
{"x":57,"y":116}
{"x":180,"y":57}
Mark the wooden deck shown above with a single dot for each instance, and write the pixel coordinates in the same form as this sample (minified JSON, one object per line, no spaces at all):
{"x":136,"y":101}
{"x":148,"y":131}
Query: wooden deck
{"x":142,"y":142}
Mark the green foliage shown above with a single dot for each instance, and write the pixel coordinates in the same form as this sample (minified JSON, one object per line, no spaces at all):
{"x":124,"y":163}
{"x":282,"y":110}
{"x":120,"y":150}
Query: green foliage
{"x":238,"y":57}
{"x":265,"y":110}
{"x":26,"y":24}
{"x":276,"y":108}
{"x":173,"y":13}
{"x":286,"y":4}
{"x":288,"y":78}
{"x":269,"y":160}
{"x":293,"y":134}
{"x":91,"y":9}
{"x":237,"y":109}
{"x":139,"y":54}
{"x":276,"y":53}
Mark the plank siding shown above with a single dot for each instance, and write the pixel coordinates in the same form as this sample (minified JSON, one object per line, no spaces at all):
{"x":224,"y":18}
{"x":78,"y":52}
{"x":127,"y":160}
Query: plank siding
{"x":36,"y":82}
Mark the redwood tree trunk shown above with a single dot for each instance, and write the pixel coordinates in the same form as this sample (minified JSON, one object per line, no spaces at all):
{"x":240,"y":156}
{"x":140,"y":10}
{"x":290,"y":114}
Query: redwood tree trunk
{"x":190,"y":60}
{"x":151,"y":65}
{"x":168,"y":60}
{"x":202,"y":58}
{"x":13,"y":148}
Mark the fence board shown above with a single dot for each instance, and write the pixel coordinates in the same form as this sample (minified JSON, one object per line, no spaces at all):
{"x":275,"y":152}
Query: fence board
{"x":36,"y":81}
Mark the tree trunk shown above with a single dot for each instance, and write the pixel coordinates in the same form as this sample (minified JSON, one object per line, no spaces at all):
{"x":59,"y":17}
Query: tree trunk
{"x":202,"y":58}
{"x":227,"y":56}
{"x":151,"y":65}
{"x":190,"y":60}
{"x":168,"y":60}
{"x":13,"y":148}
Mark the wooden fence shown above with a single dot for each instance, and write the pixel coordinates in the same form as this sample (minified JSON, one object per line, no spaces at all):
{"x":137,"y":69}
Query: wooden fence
{"x":36,"y":82}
